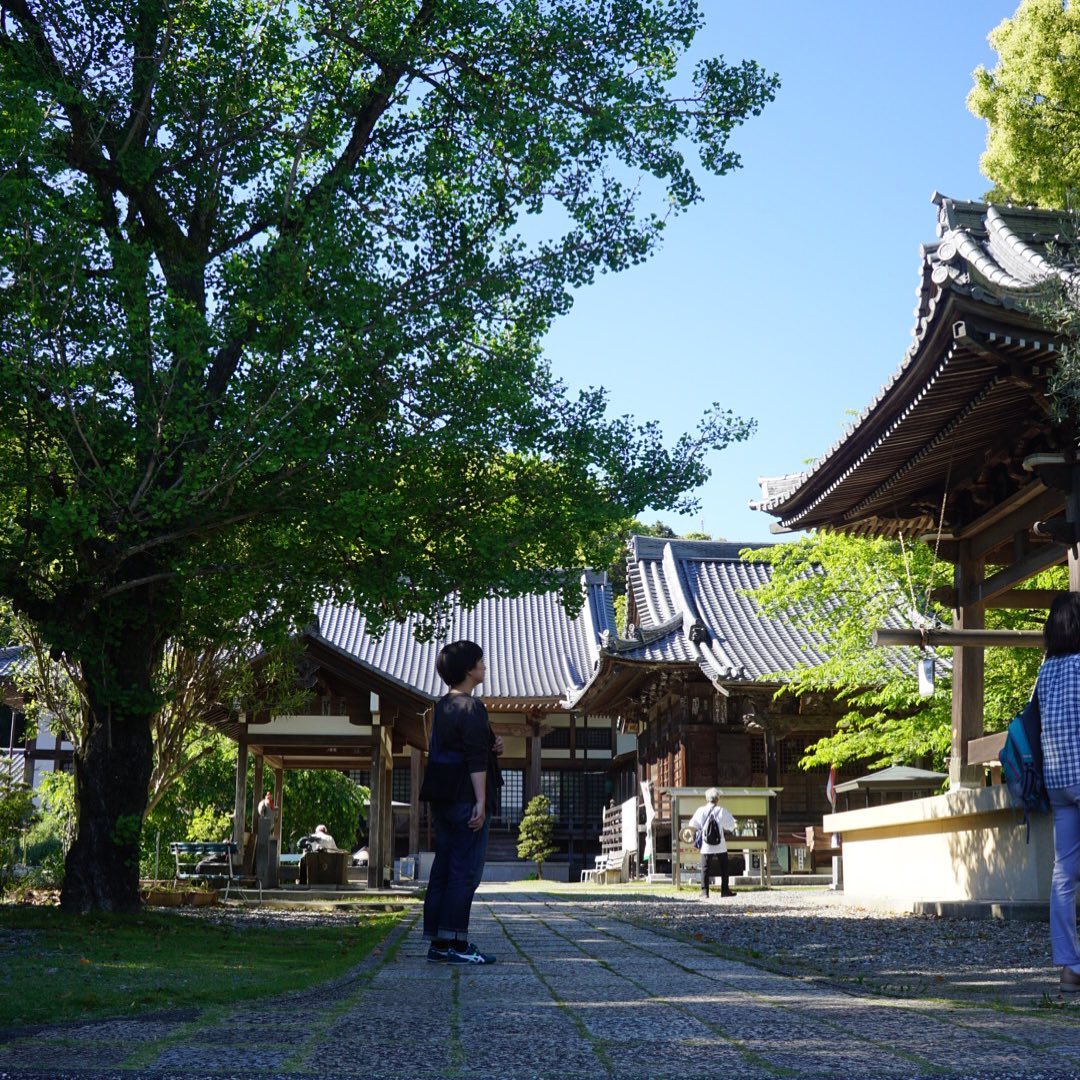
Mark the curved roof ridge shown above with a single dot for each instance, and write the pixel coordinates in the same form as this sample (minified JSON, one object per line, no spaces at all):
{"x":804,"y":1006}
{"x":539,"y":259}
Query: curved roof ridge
{"x":964,"y":261}
{"x":984,"y":269}
{"x":711,"y":650}
{"x":1016,"y":254}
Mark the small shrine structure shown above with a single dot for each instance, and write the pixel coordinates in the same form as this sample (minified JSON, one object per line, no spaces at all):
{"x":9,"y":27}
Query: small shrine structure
{"x":963,"y":448}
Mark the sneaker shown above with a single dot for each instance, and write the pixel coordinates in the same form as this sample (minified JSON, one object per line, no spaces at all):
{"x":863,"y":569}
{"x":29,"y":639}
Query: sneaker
{"x":470,"y":954}
{"x":1070,"y":981}
{"x":727,"y":892}
{"x":436,"y":955}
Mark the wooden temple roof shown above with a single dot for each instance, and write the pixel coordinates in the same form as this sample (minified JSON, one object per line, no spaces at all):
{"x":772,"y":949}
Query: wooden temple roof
{"x":690,"y":609}
{"x":968,"y":402}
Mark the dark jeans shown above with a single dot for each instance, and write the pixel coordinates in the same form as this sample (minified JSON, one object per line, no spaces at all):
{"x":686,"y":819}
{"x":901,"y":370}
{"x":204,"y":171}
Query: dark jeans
{"x":710,"y":866}
{"x":456,"y":871}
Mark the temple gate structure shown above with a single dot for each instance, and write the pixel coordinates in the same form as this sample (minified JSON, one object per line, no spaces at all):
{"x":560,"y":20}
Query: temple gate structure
{"x":963,"y":448}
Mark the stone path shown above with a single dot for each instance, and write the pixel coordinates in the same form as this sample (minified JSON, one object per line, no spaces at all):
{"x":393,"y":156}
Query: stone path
{"x":577,"y":992}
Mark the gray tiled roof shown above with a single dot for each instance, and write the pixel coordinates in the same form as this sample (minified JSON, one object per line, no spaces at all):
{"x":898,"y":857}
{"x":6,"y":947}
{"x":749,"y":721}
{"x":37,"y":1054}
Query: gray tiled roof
{"x":693,"y":605}
{"x":532,"y":648}
{"x":704,"y":581}
{"x":995,"y":255}
{"x":9,"y":659}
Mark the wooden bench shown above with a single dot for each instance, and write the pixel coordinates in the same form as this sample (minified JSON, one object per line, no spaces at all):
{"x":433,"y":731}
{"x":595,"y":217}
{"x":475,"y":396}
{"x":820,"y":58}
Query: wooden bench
{"x":188,"y":855}
{"x":820,"y":844}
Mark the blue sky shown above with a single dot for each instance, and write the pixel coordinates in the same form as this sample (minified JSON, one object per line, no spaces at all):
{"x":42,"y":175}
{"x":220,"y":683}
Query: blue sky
{"x":787,"y":295}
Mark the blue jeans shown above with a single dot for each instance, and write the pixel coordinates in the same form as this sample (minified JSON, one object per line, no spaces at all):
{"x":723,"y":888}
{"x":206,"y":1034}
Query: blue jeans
{"x":1065,"y":803}
{"x":456,"y":871}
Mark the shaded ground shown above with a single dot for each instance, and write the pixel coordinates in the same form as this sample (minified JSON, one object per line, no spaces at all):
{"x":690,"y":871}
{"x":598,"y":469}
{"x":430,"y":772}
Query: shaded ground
{"x":814,"y":932}
{"x":615,"y":985}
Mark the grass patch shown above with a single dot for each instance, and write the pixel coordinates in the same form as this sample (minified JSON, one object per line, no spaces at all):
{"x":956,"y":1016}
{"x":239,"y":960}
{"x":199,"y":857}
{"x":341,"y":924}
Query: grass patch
{"x":56,"y":967}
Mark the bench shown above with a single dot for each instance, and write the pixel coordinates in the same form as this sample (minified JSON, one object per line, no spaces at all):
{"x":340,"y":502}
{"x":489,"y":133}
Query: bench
{"x":615,"y":863}
{"x":821,"y":847}
{"x":598,"y":870}
{"x":188,"y":855}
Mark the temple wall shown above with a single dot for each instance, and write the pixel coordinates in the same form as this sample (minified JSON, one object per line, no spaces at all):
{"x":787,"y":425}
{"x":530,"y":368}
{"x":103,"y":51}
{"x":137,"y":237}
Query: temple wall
{"x":964,"y":845}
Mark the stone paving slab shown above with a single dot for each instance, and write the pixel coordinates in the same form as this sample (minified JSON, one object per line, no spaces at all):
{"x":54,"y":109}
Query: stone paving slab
{"x":577,"y":992}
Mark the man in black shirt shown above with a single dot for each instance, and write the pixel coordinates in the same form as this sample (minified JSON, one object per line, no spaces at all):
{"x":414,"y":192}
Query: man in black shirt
{"x":461,"y":786}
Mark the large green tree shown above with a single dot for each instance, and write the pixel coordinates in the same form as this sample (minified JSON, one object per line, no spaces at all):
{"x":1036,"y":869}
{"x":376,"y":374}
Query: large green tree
{"x":1030,"y":101}
{"x":271,"y":314}
{"x":842,"y":588}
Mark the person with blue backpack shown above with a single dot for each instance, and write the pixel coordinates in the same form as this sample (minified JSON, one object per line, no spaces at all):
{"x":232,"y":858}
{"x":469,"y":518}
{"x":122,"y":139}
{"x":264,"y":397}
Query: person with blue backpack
{"x":1058,"y":691}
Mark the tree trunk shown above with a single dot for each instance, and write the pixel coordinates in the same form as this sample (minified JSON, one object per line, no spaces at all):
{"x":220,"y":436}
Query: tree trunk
{"x":112,"y":777}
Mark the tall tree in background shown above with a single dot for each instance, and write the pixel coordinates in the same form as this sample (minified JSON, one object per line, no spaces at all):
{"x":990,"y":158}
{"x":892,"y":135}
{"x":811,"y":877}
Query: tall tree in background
{"x":271,"y":320}
{"x":1031,"y":104}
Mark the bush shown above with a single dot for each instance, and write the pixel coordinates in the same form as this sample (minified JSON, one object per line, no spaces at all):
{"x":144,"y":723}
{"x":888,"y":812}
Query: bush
{"x":535,"y":833}
{"x":17,"y":813}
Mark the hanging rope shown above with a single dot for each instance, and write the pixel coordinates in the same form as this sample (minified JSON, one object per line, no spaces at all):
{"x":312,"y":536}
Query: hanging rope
{"x":937,"y":541}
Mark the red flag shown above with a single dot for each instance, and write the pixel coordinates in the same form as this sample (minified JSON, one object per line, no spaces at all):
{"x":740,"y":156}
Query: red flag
{"x":830,"y":788}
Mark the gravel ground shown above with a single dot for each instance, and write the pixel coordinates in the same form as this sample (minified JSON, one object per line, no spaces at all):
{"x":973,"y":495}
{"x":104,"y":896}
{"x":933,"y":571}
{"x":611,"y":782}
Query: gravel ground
{"x":814,"y":932}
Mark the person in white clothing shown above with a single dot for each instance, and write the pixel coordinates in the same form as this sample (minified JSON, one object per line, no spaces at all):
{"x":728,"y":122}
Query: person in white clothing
{"x":322,"y":839}
{"x":714,"y":856}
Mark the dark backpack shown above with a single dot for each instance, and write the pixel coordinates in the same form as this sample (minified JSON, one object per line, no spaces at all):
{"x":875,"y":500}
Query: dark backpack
{"x":1022,"y":763}
{"x":711,"y":833}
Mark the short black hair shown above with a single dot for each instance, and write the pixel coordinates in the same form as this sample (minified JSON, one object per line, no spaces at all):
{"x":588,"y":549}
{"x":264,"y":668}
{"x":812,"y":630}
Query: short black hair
{"x":456,"y":660}
{"x":1061,"y":632}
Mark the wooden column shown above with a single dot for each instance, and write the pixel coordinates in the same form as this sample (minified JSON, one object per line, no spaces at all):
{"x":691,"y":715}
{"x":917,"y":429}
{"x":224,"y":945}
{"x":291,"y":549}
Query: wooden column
{"x":379,"y":806}
{"x":416,"y":770}
{"x":532,"y":766}
{"x":279,"y":789}
{"x":388,"y":806}
{"x":257,"y":787}
{"x":968,"y":672}
{"x":1072,"y":515}
{"x":240,"y":800}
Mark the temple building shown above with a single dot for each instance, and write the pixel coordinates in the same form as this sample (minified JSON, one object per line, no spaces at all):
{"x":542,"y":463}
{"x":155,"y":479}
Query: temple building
{"x":371,"y":706}
{"x":695,"y":679}
{"x":965,"y":447}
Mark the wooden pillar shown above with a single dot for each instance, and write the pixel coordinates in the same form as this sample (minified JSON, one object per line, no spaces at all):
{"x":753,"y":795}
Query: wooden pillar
{"x":257,"y":787}
{"x":968,"y":672}
{"x":388,"y":806}
{"x":279,"y":790}
{"x":532,"y":765}
{"x":379,"y":806}
{"x":240,"y":800}
{"x":416,"y":770}
{"x":1072,"y":515}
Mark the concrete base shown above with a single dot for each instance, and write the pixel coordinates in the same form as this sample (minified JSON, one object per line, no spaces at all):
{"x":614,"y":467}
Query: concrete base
{"x":965,"y":846}
{"x":1019,"y":911}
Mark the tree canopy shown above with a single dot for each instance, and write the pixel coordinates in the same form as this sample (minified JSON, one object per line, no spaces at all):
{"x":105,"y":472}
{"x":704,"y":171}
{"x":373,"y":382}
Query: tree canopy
{"x":843,"y":587}
{"x":1030,"y":101}
{"x":273,"y":280}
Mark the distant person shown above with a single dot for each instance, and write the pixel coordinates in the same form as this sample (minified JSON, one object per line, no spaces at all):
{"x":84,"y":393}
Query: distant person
{"x":323,"y":841}
{"x":265,"y":865}
{"x":319,"y":840}
{"x":461,"y":785}
{"x":714,"y":854}
{"x":1058,"y":692}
